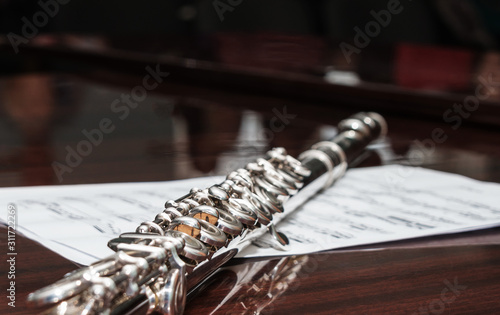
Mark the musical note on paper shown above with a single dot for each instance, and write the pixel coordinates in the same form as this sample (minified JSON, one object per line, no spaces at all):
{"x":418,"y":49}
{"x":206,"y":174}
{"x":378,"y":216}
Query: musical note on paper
{"x":77,"y":221}
{"x":364,"y":207}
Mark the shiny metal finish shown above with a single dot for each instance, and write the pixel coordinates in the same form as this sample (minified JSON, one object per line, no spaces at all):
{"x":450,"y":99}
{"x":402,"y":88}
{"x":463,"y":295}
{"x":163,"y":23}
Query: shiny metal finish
{"x":218,"y":193}
{"x":380,"y":121}
{"x":291,"y":178}
{"x":280,"y":193}
{"x":279,"y":155}
{"x":249,"y":205}
{"x":264,"y":214}
{"x":172,"y":212}
{"x":200,"y":197}
{"x":245,"y":174}
{"x":354,"y":135}
{"x":323,"y":158}
{"x":367,"y":120}
{"x":173,"y":293}
{"x":206,"y":213}
{"x":151,"y":299}
{"x":164,"y":218}
{"x":272,"y":176}
{"x":187,"y":225}
{"x":211,"y":235}
{"x":243,"y":214}
{"x":173,"y":286}
{"x":150,"y":227}
{"x":253,"y":203}
{"x":229,"y":224}
{"x":194,"y":249}
{"x":297,"y":167}
{"x":281,"y":239}
{"x":241,"y":177}
{"x":354,"y":124}
{"x":194,"y":228}
{"x":157,"y":239}
{"x":268,"y":201}
{"x":59,"y":291}
{"x":339,"y":168}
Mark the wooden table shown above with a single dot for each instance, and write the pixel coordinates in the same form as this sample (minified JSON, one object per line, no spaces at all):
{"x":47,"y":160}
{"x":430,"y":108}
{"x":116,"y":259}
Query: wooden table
{"x":185,"y":129}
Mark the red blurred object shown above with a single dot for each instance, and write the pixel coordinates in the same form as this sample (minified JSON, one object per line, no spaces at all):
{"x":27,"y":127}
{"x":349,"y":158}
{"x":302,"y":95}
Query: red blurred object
{"x":425,"y":67}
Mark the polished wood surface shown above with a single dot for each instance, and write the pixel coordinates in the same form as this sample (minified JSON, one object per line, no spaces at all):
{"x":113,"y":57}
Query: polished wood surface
{"x":420,"y":281}
{"x":186,"y":129}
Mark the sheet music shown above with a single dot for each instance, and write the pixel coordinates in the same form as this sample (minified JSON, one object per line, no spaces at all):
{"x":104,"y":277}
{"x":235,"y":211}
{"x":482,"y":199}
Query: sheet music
{"x":77,"y":221}
{"x":388,"y":203}
{"x":368,"y":205}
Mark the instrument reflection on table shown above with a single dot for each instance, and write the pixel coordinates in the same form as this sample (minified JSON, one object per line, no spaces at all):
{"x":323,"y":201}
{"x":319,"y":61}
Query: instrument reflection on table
{"x":151,"y":265}
{"x":259,"y":286}
{"x":199,"y":140}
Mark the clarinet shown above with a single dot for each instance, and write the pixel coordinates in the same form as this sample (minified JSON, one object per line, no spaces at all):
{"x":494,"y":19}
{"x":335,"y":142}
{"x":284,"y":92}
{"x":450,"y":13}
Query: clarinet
{"x":154,"y":267}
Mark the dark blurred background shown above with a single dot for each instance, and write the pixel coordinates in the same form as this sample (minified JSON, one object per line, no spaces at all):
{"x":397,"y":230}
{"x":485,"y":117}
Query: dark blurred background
{"x":63,"y":62}
{"x":460,"y":23}
{"x":373,"y":38}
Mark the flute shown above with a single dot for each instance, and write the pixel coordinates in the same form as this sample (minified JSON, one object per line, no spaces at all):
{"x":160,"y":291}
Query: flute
{"x":197,"y":233}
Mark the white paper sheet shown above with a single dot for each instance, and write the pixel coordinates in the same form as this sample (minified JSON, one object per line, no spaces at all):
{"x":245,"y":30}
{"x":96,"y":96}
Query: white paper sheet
{"x":388,"y":203}
{"x":368,"y":205}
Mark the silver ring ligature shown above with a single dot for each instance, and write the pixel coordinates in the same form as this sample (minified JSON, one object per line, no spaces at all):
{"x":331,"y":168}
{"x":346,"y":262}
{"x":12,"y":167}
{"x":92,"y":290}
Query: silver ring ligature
{"x":150,"y":266}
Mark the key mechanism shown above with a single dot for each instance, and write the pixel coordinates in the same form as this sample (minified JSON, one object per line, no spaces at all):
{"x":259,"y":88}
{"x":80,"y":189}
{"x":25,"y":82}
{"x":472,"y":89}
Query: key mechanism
{"x":193,"y":232}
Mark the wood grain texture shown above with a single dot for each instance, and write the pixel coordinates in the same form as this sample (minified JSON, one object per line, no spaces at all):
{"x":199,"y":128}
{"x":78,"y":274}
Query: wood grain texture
{"x":190,"y":128}
{"x":441,"y":280}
